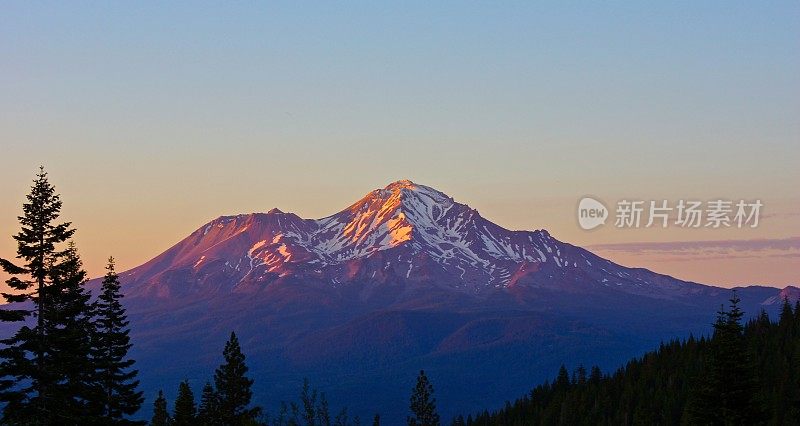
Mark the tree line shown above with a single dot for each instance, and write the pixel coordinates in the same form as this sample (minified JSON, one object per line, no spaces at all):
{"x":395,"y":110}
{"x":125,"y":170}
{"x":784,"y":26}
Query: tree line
{"x":742,"y":375}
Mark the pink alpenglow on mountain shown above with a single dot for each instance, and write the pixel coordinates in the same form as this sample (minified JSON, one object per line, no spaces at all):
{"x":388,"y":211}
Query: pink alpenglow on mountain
{"x":403,"y":232}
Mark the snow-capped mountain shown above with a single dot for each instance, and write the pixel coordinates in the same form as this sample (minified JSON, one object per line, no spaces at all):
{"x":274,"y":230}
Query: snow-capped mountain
{"x":403,"y":232}
{"x":403,"y":279}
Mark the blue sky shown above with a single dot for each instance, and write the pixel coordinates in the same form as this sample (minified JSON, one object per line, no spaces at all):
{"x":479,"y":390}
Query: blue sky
{"x":169,"y":114}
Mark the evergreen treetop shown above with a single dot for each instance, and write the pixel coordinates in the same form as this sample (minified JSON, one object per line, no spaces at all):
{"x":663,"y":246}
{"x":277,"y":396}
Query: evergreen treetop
{"x":423,"y":404}
{"x":160,"y":413}
{"x":110,"y":345}
{"x":185,"y":409}
{"x":233,"y":387}
{"x":207,"y":412}
{"x":35,"y":386}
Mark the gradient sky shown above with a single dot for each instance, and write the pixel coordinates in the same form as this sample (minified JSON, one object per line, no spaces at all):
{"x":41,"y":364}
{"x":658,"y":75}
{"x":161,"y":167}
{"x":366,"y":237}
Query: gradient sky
{"x":154,"y":118}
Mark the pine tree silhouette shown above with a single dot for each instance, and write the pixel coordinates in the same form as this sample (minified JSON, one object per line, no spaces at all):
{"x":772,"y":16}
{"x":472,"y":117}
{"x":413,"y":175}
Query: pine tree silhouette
{"x":69,"y":330}
{"x":423,"y":404}
{"x":27,"y":379}
{"x":207,"y":412}
{"x":233,"y":386}
{"x":185,"y":412}
{"x":117,"y":382}
{"x":160,"y":413}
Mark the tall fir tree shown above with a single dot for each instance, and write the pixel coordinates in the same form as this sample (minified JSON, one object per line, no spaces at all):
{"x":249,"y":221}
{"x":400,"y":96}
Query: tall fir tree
{"x":562,"y":380}
{"x":727,"y":392}
{"x":185,"y":413}
{"x":233,"y":386}
{"x":116,"y":380}
{"x":423,"y":404}
{"x":160,"y":413}
{"x":207,"y":412}
{"x":786,"y":320}
{"x":734,"y":369}
{"x":69,"y":327}
{"x":26,"y":377}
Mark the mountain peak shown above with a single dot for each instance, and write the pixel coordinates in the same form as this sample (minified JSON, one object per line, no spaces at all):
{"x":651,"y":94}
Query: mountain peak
{"x":402,"y":191}
{"x":405,"y":184}
{"x":403,"y":200}
{"x":399,"y":184}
